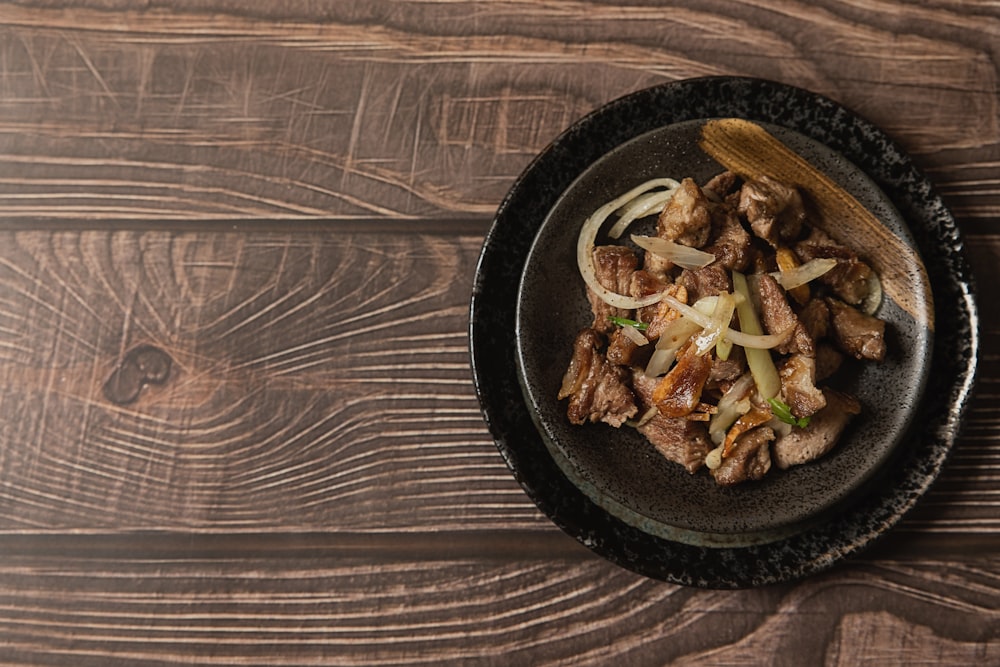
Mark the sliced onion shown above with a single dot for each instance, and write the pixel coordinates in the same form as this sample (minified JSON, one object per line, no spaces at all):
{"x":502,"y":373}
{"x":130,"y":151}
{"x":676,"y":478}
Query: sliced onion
{"x":640,"y":207}
{"x":721,"y":316}
{"x":644,"y":419}
{"x":681,"y":255}
{"x":874,"y":298}
{"x":660,"y":362}
{"x":750,"y":341}
{"x":804,"y":273}
{"x":671,"y":339}
{"x":585,"y":248}
{"x":714,"y":458}
{"x":733,"y":404}
{"x":634,"y":335}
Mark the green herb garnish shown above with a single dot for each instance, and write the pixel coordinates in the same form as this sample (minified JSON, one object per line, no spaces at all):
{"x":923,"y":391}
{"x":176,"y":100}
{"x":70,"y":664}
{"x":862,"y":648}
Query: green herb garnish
{"x":625,"y":322}
{"x":783,"y":412}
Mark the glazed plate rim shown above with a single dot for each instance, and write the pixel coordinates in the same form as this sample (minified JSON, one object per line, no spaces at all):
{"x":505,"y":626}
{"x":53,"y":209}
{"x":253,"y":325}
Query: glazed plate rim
{"x":494,"y":304}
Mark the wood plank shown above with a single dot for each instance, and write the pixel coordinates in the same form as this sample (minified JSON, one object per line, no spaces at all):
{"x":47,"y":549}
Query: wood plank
{"x":216,"y":111}
{"x":246,"y":432}
{"x":149,"y":610}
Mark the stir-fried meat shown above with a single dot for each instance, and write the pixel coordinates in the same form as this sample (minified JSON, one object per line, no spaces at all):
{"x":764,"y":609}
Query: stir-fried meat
{"x":679,"y":440}
{"x":687,"y":218}
{"x":731,"y":244}
{"x":597,"y":390}
{"x":724,"y":371}
{"x":720,"y":185}
{"x":623,"y":351}
{"x":828,"y":360}
{"x":679,"y":392}
{"x":778,"y":317}
{"x":856,"y":333}
{"x":754,"y":227}
{"x":614,"y":265}
{"x":802,"y":445}
{"x":850,"y":278}
{"x":774,"y":210}
{"x":798,"y":384}
{"x":815,"y":317}
{"x":749,"y":459}
{"x":706,"y":281}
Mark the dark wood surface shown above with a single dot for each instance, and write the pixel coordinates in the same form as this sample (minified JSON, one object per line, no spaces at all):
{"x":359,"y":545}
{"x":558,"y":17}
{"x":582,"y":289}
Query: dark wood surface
{"x":286,"y":203}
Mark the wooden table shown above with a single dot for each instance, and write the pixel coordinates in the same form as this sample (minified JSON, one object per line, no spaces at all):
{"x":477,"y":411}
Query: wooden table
{"x":286,"y":204}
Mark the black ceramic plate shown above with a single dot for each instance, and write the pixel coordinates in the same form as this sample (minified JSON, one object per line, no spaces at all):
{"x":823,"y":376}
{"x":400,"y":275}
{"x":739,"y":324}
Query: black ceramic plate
{"x":715,"y":548}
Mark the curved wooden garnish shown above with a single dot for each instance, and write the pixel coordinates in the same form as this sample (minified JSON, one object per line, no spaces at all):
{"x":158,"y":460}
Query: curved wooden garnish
{"x":750,"y":151}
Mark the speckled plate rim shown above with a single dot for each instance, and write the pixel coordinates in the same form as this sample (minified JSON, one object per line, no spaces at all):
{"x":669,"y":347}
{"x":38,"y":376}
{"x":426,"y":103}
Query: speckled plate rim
{"x":494,"y":301}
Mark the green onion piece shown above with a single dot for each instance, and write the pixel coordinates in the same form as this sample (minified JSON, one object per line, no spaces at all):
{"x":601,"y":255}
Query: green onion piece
{"x":783,"y":412}
{"x":625,"y":322}
{"x":761,"y":365}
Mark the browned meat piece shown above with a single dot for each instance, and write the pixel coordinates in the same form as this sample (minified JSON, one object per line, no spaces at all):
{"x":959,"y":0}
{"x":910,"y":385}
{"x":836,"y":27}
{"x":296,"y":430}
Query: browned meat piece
{"x":706,"y":281}
{"x":849,"y":280}
{"x":856,"y":333}
{"x":731,"y":243}
{"x":614,"y":265}
{"x":778,"y":317}
{"x":798,"y":384}
{"x":665,"y":314}
{"x":802,"y":445}
{"x":815,"y":317}
{"x":721,"y":184}
{"x":730,"y":369}
{"x":773,"y":209}
{"x":597,"y":390}
{"x":686,"y":219}
{"x":622,"y":351}
{"x":749,"y":459}
{"x":679,"y":392}
{"x":679,"y":440}
{"x":828,"y":360}
{"x":643,"y":283}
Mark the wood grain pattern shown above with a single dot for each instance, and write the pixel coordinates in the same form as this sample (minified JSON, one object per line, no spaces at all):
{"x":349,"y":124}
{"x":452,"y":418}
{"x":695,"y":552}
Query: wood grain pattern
{"x":146,"y":610}
{"x":202,"y":112}
{"x":288,"y":199}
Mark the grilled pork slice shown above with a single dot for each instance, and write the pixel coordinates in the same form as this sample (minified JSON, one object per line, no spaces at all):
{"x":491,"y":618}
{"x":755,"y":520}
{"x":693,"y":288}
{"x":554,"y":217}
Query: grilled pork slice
{"x":679,"y":440}
{"x":750,"y":458}
{"x":774,"y":210}
{"x":687,"y":217}
{"x":613,"y":266}
{"x":849,"y":279}
{"x":597,"y":390}
{"x":856,"y":333}
{"x":828,"y":360}
{"x":802,"y":445}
